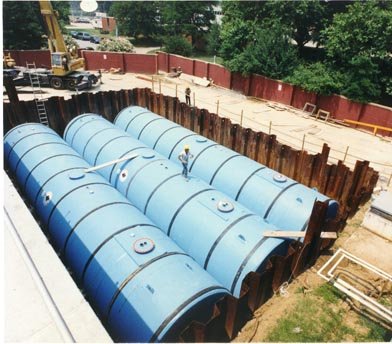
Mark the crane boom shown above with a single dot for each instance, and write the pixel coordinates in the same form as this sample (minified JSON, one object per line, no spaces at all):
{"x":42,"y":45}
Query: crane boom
{"x":63,"y":62}
{"x":55,"y":37}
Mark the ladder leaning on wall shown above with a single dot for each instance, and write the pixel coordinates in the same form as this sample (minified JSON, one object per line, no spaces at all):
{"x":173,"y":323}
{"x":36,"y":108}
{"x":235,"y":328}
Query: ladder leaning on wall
{"x":37,"y":93}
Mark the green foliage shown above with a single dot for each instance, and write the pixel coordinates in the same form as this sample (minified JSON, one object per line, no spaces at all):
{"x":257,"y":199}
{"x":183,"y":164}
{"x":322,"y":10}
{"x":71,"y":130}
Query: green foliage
{"x":305,"y":18}
{"x":268,"y":52}
{"x":310,"y":322}
{"x":213,"y":40}
{"x":70,"y":42}
{"x":365,"y":29}
{"x":115,"y":45}
{"x":177,"y":45}
{"x":191,"y":18}
{"x":359,"y":42}
{"x":317,"y":78}
{"x":136,"y":18}
{"x":375,"y":332}
{"x":318,"y":317}
{"x":234,"y":38}
{"x":361,"y":80}
{"x":329,"y":293}
{"x":18,"y":32}
{"x":255,"y":11}
{"x":63,"y":10}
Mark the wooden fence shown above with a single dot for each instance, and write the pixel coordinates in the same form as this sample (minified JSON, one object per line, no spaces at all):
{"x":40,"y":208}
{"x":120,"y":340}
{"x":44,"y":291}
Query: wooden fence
{"x":350,"y":187}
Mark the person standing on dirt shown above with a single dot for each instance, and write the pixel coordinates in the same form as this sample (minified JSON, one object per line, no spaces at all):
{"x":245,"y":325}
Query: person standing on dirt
{"x":188,"y":96}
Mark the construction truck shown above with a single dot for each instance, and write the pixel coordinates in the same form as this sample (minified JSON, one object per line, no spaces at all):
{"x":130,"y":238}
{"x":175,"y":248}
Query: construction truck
{"x":65,"y":63}
{"x":66,"y":72}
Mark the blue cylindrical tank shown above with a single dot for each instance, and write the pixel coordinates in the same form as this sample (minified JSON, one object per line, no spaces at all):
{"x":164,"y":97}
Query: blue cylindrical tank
{"x":220,"y":234}
{"x":278,"y":199}
{"x":141,"y":284}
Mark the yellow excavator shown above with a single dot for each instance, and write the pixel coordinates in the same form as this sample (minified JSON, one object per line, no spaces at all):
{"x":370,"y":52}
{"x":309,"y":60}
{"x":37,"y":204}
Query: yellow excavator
{"x":65,"y":64}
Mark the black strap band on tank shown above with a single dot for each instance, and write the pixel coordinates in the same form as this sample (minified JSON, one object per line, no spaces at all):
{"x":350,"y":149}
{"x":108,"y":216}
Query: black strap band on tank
{"x":91,"y":212}
{"x":163,"y":133}
{"x":220,"y":237}
{"x":182,"y":206}
{"x":277,"y":197}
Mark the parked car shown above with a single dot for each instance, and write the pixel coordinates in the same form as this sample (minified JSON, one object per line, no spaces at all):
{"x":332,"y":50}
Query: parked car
{"x":74,"y":34}
{"x":85,"y":36}
{"x":95,"y":39}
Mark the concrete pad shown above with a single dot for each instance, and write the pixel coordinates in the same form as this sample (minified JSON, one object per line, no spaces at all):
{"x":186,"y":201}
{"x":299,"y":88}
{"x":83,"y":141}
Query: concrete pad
{"x":378,"y":225}
{"x":383,"y":204}
{"x":378,"y":218}
{"x":41,"y":298}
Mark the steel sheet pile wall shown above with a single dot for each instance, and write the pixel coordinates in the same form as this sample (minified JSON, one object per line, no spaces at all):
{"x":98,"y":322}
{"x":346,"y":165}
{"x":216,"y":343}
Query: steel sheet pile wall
{"x":337,"y":181}
{"x":141,"y":284}
{"x":220,"y":234}
{"x":278,"y":199}
{"x":350,"y":188}
{"x":253,"y":85}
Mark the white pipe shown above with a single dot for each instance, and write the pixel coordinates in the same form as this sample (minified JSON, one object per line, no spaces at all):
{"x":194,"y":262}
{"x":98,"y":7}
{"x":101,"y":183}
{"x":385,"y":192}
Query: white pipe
{"x":326,"y":264}
{"x":329,"y":273}
{"x":109,"y":163}
{"x":361,"y":294}
{"x":369,"y":266}
{"x":363,"y":301}
{"x":54,"y":311}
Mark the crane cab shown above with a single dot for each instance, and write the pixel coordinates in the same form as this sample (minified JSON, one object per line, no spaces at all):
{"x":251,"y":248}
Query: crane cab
{"x":63,"y":64}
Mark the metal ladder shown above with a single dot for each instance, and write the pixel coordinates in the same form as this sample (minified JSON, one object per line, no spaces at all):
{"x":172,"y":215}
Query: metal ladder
{"x":37,"y":93}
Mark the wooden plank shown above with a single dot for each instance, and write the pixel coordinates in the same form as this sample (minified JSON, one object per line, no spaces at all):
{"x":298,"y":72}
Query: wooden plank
{"x":297,"y":234}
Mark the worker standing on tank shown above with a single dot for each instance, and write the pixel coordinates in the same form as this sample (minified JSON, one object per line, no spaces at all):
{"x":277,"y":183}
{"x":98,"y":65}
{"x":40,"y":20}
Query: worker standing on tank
{"x":184,"y":157}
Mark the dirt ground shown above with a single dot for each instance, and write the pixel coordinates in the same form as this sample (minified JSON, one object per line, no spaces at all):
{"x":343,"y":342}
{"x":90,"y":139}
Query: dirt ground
{"x":291,"y":126}
{"x":356,"y":240}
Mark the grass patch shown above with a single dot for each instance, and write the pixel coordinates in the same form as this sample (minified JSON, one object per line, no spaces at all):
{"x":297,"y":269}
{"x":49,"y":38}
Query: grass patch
{"x":309,"y":322}
{"x":318,"y":317}
{"x":210,"y":59}
{"x":375,"y":332}
{"x":386,"y":301}
{"x":328,"y":293}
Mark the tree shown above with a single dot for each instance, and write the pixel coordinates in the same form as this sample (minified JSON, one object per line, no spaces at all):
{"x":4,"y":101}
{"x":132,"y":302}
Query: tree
{"x":190,"y":18}
{"x":269,"y":52}
{"x":304,"y":18}
{"x":18,"y":32}
{"x":213,"y":40}
{"x":254,"y":11}
{"x":317,"y":77}
{"x":235,"y":37}
{"x":104,"y":6}
{"x":177,"y":45}
{"x":135,"y":17}
{"x":63,"y":9}
{"x":362,"y":82}
{"x":359,"y":43}
{"x":365,"y":29}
